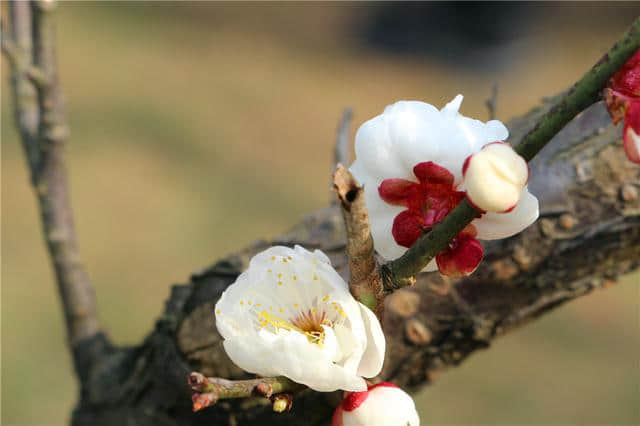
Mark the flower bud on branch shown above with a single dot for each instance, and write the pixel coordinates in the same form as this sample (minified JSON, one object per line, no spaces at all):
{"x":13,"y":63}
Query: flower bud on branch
{"x":383,"y":404}
{"x":495,"y":178}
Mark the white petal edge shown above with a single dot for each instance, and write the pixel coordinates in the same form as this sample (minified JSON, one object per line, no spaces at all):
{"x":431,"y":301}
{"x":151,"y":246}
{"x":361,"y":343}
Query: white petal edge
{"x":493,"y":226}
{"x":287,"y":354}
{"x":373,"y":357}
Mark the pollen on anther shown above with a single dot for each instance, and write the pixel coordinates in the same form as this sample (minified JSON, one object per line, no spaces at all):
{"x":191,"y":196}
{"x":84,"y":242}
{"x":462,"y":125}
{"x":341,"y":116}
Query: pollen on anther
{"x":315,"y":277}
{"x":280,"y":310}
{"x":280,"y":275}
{"x":295,"y":278}
{"x":295,"y":305}
{"x":273,"y":258}
{"x":269,"y":270}
{"x":325,"y":298}
{"x":279,"y":282}
{"x":242,"y":302}
{"x":218,"y":311}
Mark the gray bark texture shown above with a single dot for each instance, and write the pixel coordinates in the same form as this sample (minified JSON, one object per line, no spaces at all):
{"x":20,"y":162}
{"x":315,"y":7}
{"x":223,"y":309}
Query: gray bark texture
{"x":587,"y":235}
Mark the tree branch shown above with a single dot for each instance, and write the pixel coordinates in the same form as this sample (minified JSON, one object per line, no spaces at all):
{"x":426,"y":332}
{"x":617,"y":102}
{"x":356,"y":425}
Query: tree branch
{"x":365,"y":281}
{"x":492,"y":102}
{"x":429,"y":327}
{"x":341,"y":150}
{"x":583,"y":94}
{"x":209,"y":390}
{"x":341,"y":154}
{"x":43,"y":128}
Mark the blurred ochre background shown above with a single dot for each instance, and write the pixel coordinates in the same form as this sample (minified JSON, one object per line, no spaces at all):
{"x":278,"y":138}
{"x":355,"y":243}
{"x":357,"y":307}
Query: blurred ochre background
{"x":200,"y":127}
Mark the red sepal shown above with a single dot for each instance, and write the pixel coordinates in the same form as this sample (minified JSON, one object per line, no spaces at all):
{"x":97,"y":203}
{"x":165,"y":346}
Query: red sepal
{"x":408,"y":226}
{"x":398,"y":192}
{"x":463,"y":255}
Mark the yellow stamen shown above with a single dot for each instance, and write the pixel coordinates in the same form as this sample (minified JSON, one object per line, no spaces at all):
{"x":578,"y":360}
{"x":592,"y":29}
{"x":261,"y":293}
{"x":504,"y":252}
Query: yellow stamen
{"x":309,"y":325}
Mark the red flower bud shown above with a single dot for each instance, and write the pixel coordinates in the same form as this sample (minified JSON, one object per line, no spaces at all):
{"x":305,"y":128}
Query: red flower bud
{"x":622,"y":96}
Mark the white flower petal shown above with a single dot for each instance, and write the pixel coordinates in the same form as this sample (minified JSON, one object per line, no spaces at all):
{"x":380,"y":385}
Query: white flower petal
{"x":493,"y":226}
{"x":291,"y":314}
{"x":373,"y":148}
{"x":452,"y":108}
{"x":413,"y":129}
{"x":495,"y":131}
{"x":373,"y":356}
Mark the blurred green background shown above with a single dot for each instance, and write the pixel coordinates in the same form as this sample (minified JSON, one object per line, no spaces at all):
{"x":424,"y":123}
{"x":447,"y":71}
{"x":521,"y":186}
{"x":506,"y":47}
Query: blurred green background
{"x":200,"y":127}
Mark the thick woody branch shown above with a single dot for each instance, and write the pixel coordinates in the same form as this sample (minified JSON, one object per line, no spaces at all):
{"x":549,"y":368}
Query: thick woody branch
{"x":365,"y":281}
{"x":588,"y":234}
{"x":43,"y":128}
{"x":209,"y":390}
{"x":583,"y":94}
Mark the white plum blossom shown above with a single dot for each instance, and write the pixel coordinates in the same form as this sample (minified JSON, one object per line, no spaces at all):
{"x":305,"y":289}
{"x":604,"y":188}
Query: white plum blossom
{"x":383,"y":404}
{"x":291,"y":314}
{"x":409,"y":160}
{"x":495,"y":177}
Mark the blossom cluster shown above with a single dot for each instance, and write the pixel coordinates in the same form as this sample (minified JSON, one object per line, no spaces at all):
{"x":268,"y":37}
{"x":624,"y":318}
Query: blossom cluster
{"x":291,"y":314}
{"x":417,"y":163}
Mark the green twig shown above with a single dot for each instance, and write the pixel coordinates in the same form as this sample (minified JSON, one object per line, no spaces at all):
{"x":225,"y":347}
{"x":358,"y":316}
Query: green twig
{"x":583,"y":94}
{"x":209,"y":390}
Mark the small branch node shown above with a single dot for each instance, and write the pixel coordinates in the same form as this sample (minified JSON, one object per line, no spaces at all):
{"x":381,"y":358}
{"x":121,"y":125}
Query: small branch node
{"x":282,"y":402}
{"x":264,"y":390}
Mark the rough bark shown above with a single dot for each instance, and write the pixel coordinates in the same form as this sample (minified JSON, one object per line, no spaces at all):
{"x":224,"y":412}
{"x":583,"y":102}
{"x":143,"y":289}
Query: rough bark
{"x":588,"y":234}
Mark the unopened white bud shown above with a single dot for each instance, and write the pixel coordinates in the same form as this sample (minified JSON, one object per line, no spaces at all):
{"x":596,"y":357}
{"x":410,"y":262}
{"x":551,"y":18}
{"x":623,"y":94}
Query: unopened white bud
{"x":383,"y":404}
{"x":495,"y":177}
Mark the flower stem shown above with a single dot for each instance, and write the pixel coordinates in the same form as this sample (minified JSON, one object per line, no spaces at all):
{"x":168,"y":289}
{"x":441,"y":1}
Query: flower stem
{"x":583,"y":94}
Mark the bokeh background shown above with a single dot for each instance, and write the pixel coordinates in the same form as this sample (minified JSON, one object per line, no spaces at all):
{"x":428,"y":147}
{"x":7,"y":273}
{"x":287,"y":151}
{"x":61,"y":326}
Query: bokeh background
{"x":200,"y":127}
